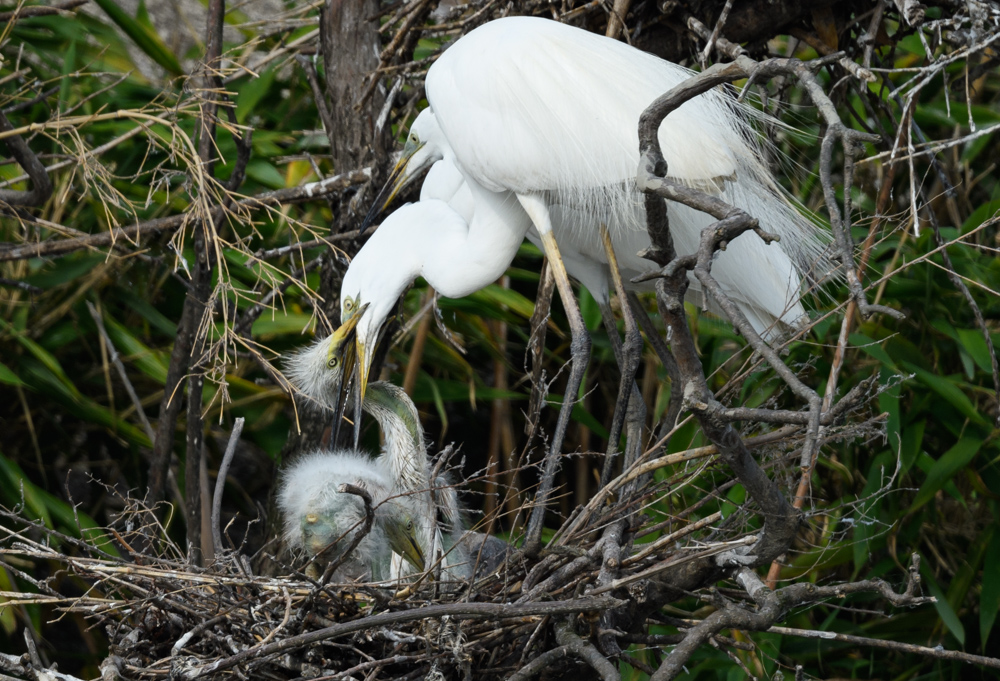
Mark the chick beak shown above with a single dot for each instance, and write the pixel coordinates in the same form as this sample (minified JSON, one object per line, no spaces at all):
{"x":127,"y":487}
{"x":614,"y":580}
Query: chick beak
{"x":412,"y":553}
{"x":398,"y":179}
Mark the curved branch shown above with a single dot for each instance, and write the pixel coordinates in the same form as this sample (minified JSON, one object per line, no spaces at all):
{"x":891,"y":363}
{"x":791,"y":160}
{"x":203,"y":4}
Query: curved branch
{"x":41,"y":188}
{"x":774,"y":605}
{"x":565,"y":636}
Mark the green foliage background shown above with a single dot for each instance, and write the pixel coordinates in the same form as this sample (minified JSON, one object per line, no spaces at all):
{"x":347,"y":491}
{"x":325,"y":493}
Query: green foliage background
{"x":66,"y":416}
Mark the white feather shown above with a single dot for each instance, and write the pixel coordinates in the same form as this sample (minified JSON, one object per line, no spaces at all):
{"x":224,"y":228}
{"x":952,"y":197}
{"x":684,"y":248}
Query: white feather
{"x":530,"y":110}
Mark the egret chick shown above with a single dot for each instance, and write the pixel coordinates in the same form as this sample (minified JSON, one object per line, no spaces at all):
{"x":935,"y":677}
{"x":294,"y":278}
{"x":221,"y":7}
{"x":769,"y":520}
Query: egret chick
{"x":323,"y":521}
{"x":317,"y":371}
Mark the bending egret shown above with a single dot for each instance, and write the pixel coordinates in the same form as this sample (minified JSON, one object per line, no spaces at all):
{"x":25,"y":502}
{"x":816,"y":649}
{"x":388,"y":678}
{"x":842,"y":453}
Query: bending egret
{"x":323,"y":521}
{"x":317,"y":372}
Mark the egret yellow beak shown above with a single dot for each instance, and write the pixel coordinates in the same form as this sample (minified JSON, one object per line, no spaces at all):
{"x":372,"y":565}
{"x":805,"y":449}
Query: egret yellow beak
{"x":353,"y":357}
{"x":340,"y":359}
{"x":398,"y":178}
{"x":364,"y":364}
{"x":340,"y":353}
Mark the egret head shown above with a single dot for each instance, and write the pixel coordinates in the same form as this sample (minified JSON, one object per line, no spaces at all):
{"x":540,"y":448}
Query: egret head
{"x":322,"y":519}
{"x":318,"y":371}
{"x":424,"y":146}
{"x":401,"y":531}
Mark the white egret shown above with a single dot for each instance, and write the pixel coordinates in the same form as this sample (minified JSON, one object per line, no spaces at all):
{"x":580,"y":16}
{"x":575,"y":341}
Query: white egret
{"x":587,"y":261}
{"x":322,"y":521}
{"x":537,"y":114}
{"x":317,"y":372}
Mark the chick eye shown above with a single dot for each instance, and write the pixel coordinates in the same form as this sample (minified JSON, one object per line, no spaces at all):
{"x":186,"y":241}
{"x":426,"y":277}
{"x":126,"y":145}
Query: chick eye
{"x":332,"y":362}
{"x":409,"y":524}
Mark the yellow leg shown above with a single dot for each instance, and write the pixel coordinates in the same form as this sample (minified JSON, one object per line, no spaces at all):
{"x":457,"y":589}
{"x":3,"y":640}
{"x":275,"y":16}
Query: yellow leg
{"x":580,"y":352}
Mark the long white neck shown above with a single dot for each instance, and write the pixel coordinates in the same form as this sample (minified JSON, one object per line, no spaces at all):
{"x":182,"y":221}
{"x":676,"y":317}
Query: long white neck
{"x":431,"y":240}
{"x":463,"y":263}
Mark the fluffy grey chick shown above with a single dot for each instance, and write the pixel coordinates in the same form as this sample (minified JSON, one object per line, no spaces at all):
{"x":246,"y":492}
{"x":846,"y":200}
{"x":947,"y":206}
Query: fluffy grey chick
{"x":322,"y":521}
{"x":317,"y":372}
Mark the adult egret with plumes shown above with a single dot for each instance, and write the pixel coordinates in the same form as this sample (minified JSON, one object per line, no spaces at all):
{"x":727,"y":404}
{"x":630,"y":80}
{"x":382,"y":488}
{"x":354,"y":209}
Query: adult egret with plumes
{"x":537,"y":115}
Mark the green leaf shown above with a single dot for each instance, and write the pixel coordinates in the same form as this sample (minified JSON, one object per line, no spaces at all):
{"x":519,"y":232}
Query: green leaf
{"x":438,"y":403}
{"x":974,"y":343}
{"x":971,"y":346}
{"x":142,"y":15}
{"x":515,"y":302}
{"x":888,"y":402}
{"x":8,"y":620}
{"x":589,"y":309}
{"x":734,"y":499}
{"x":949,"y":391}
{"x":65,"y":270}
{"x":428,"y":390}
{"x":251,"y":93}
{"x":133,"y":350}
{"x":952,"y":461}
{"x":989,"y":599}
{"x":145,"y":38}
{"x":873,"y":348}
{"x":944,"y":609}
{"x":42,"y":379}
{"x":46,"y":358}
{"x":53,"y":511}
{"x":913,"y":436}
{"x":9,"y":377}
{"x":156,"y":319}
{"x":581,"y":415}
{"x":281,"y":324}
{"x":17,"y":486}
{"x":69,"y":65}
{"x":981,"y":215}
{"x":265,"y":173}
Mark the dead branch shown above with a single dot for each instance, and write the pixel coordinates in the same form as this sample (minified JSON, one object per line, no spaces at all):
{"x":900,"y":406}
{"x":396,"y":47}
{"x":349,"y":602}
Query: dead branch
{"x":41,"y":184}
{"x":308,"y":192}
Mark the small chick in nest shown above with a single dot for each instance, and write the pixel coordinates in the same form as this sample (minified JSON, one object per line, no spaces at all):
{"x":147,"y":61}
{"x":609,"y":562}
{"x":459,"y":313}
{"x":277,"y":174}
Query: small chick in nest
{"x":323,"y":521}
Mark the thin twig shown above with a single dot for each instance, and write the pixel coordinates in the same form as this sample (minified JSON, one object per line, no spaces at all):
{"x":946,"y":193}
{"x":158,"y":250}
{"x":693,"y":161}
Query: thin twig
{"x":220,"y":484}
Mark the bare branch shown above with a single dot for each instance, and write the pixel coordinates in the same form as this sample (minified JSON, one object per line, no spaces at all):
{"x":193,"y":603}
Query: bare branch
{"x":41,"y":184}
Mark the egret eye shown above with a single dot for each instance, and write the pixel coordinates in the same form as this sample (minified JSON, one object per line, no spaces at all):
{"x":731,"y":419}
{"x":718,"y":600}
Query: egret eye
{"x":333,"y":362}
{"x":348,"y":305}
{"x":409,"y":525}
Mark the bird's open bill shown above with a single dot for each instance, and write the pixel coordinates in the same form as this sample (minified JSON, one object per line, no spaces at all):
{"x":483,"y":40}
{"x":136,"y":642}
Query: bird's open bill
{"x":398,"y":178}
{"x":365,"y":355}
{"x":347,"y":361}
{"x":356,"y":364}
{"x":340,"y":356}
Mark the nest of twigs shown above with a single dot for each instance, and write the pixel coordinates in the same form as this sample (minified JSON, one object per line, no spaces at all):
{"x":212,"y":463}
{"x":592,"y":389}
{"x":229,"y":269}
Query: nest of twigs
{"x":164,"y":617}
